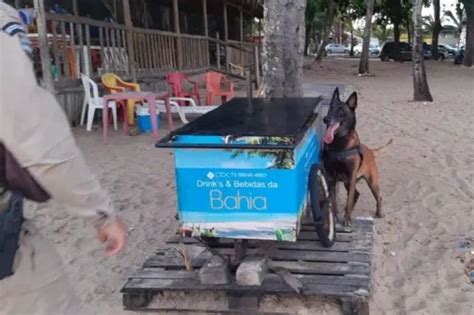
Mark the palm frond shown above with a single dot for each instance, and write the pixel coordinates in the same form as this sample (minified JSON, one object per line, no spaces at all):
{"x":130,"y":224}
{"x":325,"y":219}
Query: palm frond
{"x":451,"y":16}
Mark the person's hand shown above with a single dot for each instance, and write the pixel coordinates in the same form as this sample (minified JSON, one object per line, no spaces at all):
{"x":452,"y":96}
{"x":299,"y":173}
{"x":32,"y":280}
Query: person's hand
{"x":114,"y":234}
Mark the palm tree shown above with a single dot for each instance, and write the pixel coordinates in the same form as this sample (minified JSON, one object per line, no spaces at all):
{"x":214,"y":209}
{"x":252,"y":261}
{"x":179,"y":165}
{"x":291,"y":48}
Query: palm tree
{"x":382,"y":32}
{"x":469,"y":51}
{"x":318,"y":25}
{"x":348,"y":16}
{"x":364,"y":58}
{"x":310,"y":14}
{"x":329,"y":20}
{"x":436,"y":29}
{"x":458,"y":19}
{"x":430,"y":27}
{"x":283,"y":48}
{"x":422,"y":90}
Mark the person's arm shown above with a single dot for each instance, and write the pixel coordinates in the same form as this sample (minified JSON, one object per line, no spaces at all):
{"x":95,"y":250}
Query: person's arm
{"x":34,"y":129}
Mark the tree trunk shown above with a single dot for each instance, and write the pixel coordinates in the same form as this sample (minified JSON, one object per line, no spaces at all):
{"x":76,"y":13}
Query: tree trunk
{"x":396,"y":40}
{"x":396,"y":32}
{"x":342,"y":33}
{"x":364,"y":58}
{"x":351,"y":53}
{"x":43,"y":43}
{"x":436,"y":30}
{"x":422,"y":91}
{"x":327,"y":31}
{"x":469,"y":50}
{"x":284,"y":33}
{"x":307,"y":38}
{"x":409,"y":31}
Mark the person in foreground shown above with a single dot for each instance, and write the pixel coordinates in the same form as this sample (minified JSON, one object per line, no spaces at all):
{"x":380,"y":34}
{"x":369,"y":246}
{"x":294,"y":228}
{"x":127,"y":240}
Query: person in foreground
{"x":39,"y":160}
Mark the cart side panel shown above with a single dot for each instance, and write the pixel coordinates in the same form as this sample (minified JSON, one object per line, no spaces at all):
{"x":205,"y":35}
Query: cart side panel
{"x":307,"y":154}
{"x":256,"y":194}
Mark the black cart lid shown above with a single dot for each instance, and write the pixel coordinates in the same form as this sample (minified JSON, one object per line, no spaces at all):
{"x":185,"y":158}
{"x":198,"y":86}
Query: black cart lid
{"x":265,"y":117}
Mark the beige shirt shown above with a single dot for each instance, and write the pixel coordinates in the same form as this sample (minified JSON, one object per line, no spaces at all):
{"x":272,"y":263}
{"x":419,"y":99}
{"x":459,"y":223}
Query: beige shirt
{"x":35,"y":130}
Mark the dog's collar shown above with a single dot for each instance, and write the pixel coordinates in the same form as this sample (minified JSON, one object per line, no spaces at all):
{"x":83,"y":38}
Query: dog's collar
{"x":333,"y":155}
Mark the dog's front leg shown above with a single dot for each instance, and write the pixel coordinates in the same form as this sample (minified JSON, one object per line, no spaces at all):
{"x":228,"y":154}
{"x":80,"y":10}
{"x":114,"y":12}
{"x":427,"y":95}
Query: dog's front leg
{"x":332,"y":183}
{"x":350,"y":201}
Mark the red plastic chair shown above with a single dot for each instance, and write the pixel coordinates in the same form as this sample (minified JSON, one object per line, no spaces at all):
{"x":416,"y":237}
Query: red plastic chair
{"x":176,"y":80}
{"x":213,"y":86}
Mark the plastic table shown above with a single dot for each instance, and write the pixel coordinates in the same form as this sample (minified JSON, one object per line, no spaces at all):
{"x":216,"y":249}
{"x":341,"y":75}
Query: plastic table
{"x":149,"y":97}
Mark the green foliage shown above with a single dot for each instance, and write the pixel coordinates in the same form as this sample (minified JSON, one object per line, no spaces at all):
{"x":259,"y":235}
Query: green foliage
{"x":458,"y":17}
{"x":382,"y":32}
{"x":281,"y":159}
{"x":316,"y":14}
{"x":388,"y":12}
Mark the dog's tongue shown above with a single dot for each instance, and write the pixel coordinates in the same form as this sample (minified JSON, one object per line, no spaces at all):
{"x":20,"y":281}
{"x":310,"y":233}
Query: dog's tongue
{"x":331,"y":129}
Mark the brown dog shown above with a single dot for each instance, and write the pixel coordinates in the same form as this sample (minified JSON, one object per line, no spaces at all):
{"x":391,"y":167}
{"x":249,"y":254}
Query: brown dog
{"x":345,"y":158}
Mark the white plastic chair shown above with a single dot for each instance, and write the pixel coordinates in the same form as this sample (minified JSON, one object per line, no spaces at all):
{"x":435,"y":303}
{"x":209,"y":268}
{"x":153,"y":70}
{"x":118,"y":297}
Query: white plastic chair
{"x":94,"y":102}
{"x":183,"y":110}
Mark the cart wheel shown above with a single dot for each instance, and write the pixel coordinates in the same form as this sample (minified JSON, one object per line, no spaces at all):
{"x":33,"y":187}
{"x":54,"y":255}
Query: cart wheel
{"x":323,"y":215}
{"x":209,"y":240}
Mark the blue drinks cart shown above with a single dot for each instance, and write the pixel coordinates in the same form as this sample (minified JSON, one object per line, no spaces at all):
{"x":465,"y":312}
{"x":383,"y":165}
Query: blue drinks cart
{"x":251,"y":170}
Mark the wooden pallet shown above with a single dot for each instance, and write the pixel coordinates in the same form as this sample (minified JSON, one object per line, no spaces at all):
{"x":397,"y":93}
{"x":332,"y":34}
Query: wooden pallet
{"x":342,"y":271}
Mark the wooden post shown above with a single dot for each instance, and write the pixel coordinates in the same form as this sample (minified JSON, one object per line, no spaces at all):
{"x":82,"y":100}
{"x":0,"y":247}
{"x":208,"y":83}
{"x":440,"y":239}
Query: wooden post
{"x":259,"y":42}
{"x":75,"y":8}
{"x":206,"y":32}
{"x":80,"y":52}
{"x":226,"y":29}
{"x":226,"y":36}
{"x":248,"y":79}
{"x":44,"y":48}
{"x":145,"y":9}
{"x":56,"y":49}
{"x":179,"y":43}
{"x":204,"y":14}
{"x":67,"y":70}
{"x":241,"y":22}
{"x":257,"y":66}
{"x":218,"y":52}
{"x":130,"y":48}
{"x":87,"y":48}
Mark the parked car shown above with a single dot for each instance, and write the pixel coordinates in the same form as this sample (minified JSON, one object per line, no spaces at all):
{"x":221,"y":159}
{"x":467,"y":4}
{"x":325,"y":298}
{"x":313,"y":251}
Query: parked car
{"x":459,"y":56}
{"x":336,"y":49}
{"x":388,"y":51}
{"x":374,"y":50}
{"x":442,"y":53}
{"x":450,"y":49}
{"x":427,"y":51}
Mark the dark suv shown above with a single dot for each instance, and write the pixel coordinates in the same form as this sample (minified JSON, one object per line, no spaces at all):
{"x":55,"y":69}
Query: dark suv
{"x":388,"y":51}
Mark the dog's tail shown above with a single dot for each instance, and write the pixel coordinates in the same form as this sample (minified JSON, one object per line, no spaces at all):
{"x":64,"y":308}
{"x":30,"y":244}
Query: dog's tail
{"x":379,"y":150}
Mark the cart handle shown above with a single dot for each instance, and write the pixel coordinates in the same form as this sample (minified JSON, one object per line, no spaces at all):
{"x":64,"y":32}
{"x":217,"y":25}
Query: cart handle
{"x":224,"y":146}
{"x":165,"y":142}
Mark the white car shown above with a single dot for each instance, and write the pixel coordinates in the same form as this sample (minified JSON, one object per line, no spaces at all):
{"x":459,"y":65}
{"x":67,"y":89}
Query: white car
{"x":336,"y":49}
{"x":374,"y":50}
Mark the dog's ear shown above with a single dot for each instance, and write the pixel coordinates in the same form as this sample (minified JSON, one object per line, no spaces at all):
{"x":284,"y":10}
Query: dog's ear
{"x":352,"y":101}
{"x":335,"y":96}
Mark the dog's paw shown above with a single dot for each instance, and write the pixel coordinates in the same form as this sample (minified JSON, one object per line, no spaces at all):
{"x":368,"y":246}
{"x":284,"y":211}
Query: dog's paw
{"x":347,"y":225}
{"x":379,"y":215}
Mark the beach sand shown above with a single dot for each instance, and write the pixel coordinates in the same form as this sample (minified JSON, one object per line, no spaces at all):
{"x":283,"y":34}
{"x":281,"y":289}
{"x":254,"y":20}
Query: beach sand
{"x":427,"y":179}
